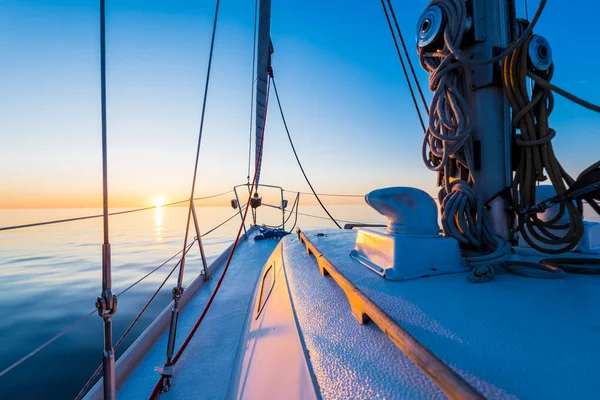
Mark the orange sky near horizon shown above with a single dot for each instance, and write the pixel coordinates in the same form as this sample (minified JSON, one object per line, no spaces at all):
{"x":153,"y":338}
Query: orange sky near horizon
{"x":29,"y":199}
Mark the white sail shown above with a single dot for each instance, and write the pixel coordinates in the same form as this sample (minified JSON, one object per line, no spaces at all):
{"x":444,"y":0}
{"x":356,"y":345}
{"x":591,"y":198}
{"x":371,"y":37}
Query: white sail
{"x":263,"y":64}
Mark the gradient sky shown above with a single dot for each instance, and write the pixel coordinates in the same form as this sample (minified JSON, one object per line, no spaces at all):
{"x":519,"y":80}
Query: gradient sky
{"x":339,"y":79}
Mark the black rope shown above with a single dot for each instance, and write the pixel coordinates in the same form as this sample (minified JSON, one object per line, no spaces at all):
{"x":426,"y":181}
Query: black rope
{"x":410,"y":88}
{"x":58,"y":221}
{"x":296,"y":155}
{"x":410,"y":64}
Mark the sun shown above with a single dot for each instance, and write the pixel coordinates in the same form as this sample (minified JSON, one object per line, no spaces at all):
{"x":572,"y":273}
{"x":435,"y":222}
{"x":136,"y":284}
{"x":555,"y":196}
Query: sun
{"x":158,"y":201}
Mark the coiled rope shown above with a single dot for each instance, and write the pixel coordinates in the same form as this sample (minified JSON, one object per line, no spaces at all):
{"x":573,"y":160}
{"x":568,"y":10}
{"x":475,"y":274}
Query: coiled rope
{"x":537,"y":160}
{"x":447,"y":146}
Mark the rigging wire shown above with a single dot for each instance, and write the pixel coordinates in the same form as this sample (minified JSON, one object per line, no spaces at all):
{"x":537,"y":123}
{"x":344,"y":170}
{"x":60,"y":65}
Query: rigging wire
{"x":159,"y":384}
{"x":46,"y":343}
{"x":221,"y":224}
{"x":252,"y":91}
{"x":200,"y":131}
{"x":407,"y":55}
{"x":298,"y":159}
{"x":58,"y":221}
{"x":178,"y":289}
{"x":325,"y":218}
{"x":291,"y":212}
{"x":76,"y":323}
{"x":362,"y":196}
{"x":410,"y":88}
{"x":106,"y":303}
{"x":103,"y":121}
{"x":96,"y":373}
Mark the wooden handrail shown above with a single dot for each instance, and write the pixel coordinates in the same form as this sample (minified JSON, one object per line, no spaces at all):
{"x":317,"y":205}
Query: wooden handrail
{"x":365,"y":310}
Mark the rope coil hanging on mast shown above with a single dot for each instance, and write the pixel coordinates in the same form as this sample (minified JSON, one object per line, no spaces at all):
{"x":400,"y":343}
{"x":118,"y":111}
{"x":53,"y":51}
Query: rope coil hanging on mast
{"x":536,"y":159}
{"x":448,"y":146}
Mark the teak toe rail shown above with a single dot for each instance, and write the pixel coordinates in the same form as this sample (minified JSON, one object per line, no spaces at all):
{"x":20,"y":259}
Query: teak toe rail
{"x":365,"y":310}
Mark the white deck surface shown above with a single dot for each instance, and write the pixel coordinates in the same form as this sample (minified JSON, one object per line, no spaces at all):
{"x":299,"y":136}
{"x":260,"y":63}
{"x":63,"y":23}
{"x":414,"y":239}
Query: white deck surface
{"x":514,"y":337}
{"x":204,"y":369}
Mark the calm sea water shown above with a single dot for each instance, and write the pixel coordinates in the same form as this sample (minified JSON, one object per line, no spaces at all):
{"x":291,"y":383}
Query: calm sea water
{"x":51,"y":276}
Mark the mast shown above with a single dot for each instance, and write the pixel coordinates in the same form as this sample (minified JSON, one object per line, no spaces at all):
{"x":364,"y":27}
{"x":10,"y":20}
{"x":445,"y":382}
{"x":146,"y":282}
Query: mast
{"x":264,"y":49}
{"x":458,"y":42}
{"x":493,"y":28}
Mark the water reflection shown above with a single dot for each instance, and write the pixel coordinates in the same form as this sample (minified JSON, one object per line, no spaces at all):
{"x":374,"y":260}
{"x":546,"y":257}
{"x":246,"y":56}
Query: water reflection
{"x":158,"y":222}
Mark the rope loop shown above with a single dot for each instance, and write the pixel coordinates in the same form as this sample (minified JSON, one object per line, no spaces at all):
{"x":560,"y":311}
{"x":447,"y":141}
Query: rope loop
{"x":536,"y":161}
{"x":447,"y":148}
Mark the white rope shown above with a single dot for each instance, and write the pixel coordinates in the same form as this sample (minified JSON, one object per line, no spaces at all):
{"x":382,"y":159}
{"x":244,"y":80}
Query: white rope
{"x":447,"y":146}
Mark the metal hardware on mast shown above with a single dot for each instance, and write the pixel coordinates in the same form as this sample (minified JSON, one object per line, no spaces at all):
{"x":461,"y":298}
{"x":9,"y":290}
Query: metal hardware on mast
{"x":493,"y":23}
{"x":107,"y":302}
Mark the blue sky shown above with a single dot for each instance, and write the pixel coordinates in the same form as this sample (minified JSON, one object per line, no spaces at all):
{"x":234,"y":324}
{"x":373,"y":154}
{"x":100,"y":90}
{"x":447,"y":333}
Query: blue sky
{"x":339,"y":79}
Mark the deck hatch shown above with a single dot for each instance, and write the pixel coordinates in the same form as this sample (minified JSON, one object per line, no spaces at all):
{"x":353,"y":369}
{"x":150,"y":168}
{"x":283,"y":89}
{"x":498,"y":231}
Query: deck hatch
{"x":266,"y":287}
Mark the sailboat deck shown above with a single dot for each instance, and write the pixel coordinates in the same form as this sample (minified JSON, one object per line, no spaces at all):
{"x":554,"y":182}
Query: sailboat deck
{"x":514,"y":337}
{"x":205,"y":367}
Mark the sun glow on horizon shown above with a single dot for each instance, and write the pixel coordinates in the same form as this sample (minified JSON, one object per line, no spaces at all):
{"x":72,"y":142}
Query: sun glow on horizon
{"x":158,"y":201}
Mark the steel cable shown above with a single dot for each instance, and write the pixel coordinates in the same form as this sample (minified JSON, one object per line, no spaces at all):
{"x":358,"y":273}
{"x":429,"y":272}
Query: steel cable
{"x":45,"y":344}
{"x":291,"y":212}
{"x":362,"y":196}
{"x":96,"y":373}
{"x":76,"y":323}
{"x":410,"y":88}
{"x":58,"y":221}
{"x":408,"y":59}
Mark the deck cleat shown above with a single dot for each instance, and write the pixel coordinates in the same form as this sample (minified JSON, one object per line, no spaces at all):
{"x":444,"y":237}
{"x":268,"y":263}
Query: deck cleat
{"x":411,"y":246}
